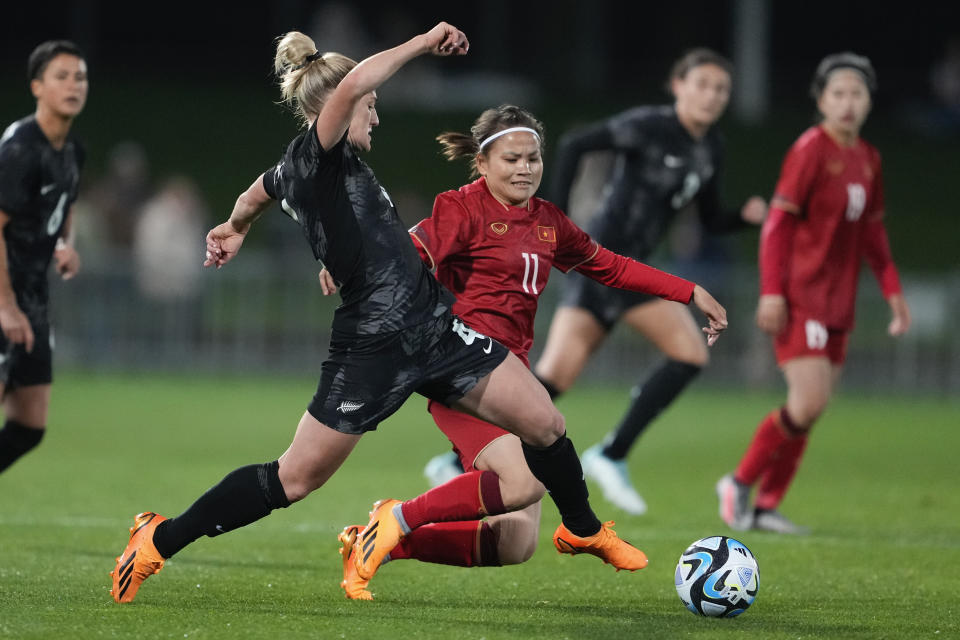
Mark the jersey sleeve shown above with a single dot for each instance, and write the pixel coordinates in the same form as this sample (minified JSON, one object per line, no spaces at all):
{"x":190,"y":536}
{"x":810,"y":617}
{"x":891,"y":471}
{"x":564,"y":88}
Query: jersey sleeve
{"x":797,"y":175}
{"x":880,"y":258}
{"x":270,"y":181}
{"x":577,"y":250}
{"x":615,"y":270}
{"x":621,"y":132}
{"x":445,"y":232}
{"x":574,"y":245}
{"x":776,"y":239}
{"x":19,"y":177}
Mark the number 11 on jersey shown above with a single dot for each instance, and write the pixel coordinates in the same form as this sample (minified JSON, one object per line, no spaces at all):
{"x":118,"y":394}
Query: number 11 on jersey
{"x":530,"y":275}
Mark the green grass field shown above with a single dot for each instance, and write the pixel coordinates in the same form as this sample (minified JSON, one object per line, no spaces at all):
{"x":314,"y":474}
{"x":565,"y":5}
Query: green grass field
{"x":879,"y":487}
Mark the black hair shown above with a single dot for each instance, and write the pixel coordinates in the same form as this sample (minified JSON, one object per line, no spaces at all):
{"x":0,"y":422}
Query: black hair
{"x":694,"y":58}
{"x":844,"y":60}
{"x":461,"y":145}
{"x":47,"y":51}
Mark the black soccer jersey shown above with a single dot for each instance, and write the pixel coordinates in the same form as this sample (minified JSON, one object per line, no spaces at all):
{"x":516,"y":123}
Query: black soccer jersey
{"x":660,"y":169}
{"x":37,"y":186}
{"x":354,"y":230}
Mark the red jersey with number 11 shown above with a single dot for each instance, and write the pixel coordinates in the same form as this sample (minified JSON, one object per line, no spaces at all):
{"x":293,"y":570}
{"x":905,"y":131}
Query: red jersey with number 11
{"x":496,"y":260}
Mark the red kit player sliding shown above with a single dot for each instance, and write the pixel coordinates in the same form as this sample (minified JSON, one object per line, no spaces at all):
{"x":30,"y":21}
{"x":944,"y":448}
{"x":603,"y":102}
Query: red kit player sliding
{"x":492,"y":244}
{"x":826,"y":217}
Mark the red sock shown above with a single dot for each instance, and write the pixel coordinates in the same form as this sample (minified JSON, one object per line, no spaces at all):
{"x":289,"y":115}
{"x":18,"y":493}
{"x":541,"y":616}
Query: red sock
{"x":461,"y":544}
{"x":780,"y":474}
{"x":469,"y":496}
{"x":767,"y":439}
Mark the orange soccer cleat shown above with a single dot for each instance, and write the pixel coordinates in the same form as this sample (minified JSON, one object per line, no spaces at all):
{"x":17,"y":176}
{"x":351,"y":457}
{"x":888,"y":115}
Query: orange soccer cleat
{"x":605,"y":544}
{"x":354,"y":586}
{"x":139,"y":560}
{"x":378,"y":538}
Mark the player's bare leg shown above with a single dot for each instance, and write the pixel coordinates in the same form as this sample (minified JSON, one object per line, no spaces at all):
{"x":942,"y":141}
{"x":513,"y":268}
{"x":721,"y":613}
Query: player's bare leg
{"x":243,"y":496}
{"x":673,"y":330}
{"x":512,"y":398}
{"x":574,"y":335}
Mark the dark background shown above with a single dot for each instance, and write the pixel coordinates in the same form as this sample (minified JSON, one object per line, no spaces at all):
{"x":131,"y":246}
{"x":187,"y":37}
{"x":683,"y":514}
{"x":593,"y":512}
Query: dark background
{"x":192,"y":83}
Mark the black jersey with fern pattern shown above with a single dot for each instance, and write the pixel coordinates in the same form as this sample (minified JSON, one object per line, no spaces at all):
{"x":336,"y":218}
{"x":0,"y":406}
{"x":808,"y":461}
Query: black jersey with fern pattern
{"x":38,"y":184}
{"x":354,"y":230}
{"x":659,"y":170}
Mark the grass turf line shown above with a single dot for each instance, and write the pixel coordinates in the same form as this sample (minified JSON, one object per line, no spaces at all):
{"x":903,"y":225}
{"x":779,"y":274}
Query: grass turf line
{"x":877,"y":486}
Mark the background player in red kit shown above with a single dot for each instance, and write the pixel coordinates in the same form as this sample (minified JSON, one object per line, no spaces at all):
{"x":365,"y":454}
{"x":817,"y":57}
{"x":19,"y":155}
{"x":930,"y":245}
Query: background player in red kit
{"x":826,"y":216}
{"x":493,"y":244}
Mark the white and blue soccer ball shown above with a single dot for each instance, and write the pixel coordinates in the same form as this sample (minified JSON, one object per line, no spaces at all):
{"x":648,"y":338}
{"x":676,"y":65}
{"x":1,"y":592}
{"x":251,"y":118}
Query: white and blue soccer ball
{"x":717,"y":577}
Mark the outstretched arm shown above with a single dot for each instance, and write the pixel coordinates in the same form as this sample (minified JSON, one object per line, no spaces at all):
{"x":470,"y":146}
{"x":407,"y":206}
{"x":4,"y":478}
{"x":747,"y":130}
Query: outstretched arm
{"x":334,"y":119}
{"x":224,"y":240}
{"x":570,"y":150}
{"x":615,"y":270}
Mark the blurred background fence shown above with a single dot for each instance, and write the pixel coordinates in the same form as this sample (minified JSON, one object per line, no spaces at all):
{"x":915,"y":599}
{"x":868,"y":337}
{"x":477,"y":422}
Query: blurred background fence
{"x":263,"y":313}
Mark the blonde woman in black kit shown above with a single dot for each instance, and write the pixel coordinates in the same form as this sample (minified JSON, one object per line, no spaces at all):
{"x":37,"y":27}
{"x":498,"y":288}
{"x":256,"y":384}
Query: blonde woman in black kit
{"x":394,"y":333}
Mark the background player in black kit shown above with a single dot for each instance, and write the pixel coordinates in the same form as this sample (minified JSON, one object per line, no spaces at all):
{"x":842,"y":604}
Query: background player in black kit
{"x":667,"y":158}
{"x":39,"y":175}
{"x":393,"y":334}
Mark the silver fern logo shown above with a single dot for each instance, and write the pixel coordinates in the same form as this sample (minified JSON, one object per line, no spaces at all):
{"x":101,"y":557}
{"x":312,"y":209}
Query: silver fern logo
{"x":348,"y":406}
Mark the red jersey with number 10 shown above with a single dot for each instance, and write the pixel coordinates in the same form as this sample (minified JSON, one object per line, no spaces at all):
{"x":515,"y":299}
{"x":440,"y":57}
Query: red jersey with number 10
{"x":836,"y":194}
{"x":496,"y":260}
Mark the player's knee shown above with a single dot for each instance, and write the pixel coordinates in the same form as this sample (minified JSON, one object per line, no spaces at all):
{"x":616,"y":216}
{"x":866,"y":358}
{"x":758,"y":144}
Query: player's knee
{"x":692,"y":352}
{"x":517,"y":539}
{"x":700,"y":359}
{"x":518,"y":551}
{"x":800,"y":419}
{"x":522,"y":492}
{"x":549,"y":427}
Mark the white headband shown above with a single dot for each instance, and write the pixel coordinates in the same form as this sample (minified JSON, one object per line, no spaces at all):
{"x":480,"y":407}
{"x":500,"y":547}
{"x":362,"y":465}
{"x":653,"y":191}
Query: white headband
{"x":505,"y":132}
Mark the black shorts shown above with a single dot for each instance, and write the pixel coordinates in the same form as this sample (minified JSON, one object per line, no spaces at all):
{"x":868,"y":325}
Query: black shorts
{"x":366,"y":378}
{"x":21,"y":369}
{"x":606,"y":304}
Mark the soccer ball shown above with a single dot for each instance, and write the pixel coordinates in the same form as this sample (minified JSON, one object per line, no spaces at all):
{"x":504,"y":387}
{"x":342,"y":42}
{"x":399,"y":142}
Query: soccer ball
{"x":717,"y":577}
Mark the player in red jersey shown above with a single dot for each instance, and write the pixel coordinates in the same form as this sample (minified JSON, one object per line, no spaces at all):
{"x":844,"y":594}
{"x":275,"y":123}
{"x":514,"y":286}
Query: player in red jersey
{"x":492,"y":244}
{"x":826,"y":217}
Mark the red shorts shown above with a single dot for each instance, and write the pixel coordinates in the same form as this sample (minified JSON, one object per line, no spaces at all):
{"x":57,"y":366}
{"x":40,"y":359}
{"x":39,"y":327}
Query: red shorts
{"x":469,"y":435}
{"x":807,"y":337}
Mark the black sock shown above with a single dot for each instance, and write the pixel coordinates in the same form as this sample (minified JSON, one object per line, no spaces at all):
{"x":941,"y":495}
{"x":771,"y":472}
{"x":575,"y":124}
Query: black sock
{"x":649,"y":400}
{"x":17,"y":439}
{"x":245,"y":495}
{"x":552,"y":390}
{"x":558,"y":468}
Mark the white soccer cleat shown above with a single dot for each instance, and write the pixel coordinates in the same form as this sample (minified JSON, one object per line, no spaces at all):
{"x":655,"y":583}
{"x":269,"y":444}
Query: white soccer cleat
{"x":773,"y":520}
{"x":734,"y":501}
{"x":442,"y":468}
{"x":614,"y":480}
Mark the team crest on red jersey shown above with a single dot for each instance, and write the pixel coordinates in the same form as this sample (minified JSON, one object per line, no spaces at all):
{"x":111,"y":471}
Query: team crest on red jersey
{"x":547,"y":234}
{"x":499,"y":228}
{"x":868,"y":171}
